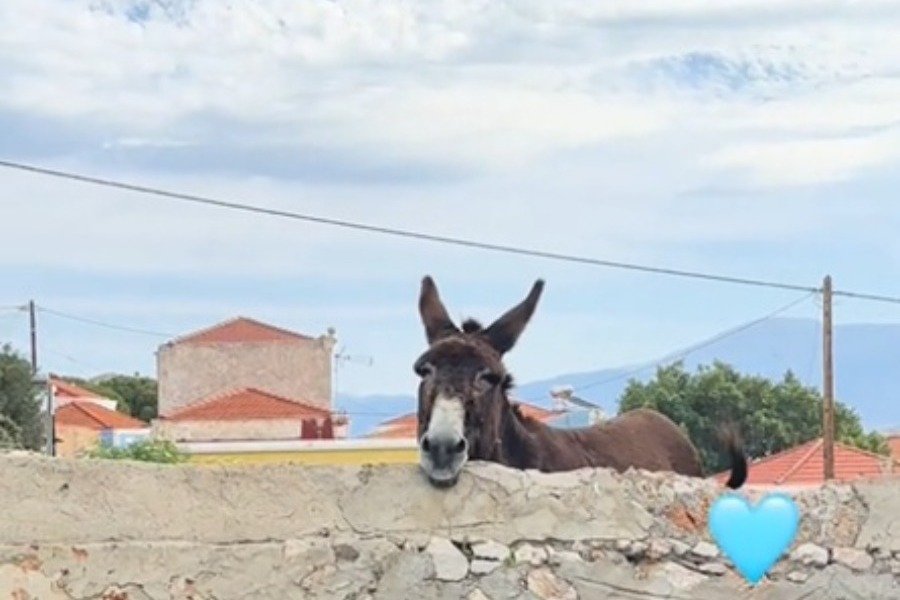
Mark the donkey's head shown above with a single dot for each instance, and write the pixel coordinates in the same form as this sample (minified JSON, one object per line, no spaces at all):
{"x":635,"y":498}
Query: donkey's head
{"x":463,"y":383}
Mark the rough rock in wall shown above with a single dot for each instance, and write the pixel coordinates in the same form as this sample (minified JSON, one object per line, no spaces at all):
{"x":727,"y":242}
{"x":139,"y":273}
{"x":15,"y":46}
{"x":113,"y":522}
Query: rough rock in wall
{"x":104,"y":530}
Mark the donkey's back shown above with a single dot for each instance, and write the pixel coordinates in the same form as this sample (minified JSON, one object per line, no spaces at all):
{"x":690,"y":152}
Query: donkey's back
{"x":642,"y":439}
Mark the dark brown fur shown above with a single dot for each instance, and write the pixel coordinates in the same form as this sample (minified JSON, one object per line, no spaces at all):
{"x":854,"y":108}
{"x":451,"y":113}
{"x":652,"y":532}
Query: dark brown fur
{"x":467,"y":363}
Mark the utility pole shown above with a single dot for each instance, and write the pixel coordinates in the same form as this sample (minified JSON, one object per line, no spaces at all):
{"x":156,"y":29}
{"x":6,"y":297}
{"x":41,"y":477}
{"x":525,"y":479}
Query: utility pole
{"x":50,"y":424}
{"x":32,"y":317}
{"x":828,"y":428}
{"x":51,"y":418}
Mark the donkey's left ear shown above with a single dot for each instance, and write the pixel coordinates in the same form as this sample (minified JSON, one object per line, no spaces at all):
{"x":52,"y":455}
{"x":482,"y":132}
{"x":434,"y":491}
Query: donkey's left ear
{"x":503,"y":333}
{"x":434,"y":315}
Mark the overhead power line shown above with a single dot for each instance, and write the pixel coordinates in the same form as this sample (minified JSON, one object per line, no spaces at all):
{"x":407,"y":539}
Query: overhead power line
{"x":192,"y":198}
{"x":204,"y":200}
{"x":684,"y":352}
{"x":104,"y":324}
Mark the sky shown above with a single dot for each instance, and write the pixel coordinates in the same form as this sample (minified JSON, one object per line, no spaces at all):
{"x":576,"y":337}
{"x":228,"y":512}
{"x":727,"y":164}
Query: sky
{"x":750,"y":138}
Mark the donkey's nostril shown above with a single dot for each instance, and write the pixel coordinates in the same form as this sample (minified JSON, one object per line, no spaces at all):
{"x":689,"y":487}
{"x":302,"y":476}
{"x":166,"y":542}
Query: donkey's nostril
{"x":426,"y":445}
{"x":460,"y":446}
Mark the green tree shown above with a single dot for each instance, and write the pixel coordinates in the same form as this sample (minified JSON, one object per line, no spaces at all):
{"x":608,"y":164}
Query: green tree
{"x":21,"y":425}
{"x":139,"y":393}
{"x":135,"y":395}
{"x":770,"y":416}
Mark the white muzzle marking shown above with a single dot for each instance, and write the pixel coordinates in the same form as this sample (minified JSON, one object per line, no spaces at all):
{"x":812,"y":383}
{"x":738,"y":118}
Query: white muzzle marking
{"x":448,"y":418}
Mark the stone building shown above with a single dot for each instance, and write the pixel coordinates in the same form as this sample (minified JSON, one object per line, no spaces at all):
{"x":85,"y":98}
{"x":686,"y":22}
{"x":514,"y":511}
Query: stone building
{"x":242,"y":366}
{"x":84,"y":419}
{"x":244,"y":353}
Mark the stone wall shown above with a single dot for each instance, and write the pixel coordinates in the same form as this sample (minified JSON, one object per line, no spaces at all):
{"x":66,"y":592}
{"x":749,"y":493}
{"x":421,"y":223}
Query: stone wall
{"x":249,"y":429}
{"x":101,"y":530}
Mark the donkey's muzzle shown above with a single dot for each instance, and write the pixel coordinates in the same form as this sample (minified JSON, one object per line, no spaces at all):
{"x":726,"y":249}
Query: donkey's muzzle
{"x":444,"y":452}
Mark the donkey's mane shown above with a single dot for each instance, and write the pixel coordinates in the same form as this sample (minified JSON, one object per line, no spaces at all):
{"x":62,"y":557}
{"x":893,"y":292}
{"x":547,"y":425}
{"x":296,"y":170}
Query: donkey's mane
{"x":514,"y":407}
{"x":517,"y":411}
{"x":472,"y":326}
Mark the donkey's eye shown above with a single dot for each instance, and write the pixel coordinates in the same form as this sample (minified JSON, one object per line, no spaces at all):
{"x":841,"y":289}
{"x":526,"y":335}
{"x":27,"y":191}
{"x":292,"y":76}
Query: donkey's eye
{"x":424,"y":369}
{"x":490,"y":378}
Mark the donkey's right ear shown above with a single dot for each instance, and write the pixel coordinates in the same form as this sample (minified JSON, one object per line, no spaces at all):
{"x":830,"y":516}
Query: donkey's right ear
{"x":434,"y":316}
{"x":505,"y":331}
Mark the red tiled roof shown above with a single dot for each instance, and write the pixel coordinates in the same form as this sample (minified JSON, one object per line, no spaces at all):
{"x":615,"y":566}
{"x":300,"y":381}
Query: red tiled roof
{"x":403,"y":432}
{"x":536,"y":412}
{"x":64,"y":388}
{"x":238,"y":330}
{"x":406,"y":426}
{"x":244,"y":404}
{"x":93,"y":416}
{"x":804,"y":465}
{"x":402,"y":420}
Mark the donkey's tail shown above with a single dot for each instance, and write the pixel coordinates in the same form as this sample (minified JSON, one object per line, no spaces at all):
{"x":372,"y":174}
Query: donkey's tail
{"x":734,"y":446}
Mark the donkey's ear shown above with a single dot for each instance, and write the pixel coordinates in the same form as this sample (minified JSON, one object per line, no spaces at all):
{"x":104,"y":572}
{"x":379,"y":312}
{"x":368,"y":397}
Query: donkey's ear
{"x":434,"y":316}
{"x":505,"y":331}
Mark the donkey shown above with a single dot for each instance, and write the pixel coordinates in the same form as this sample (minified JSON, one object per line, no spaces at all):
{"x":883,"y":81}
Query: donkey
{"x":465,"y":413}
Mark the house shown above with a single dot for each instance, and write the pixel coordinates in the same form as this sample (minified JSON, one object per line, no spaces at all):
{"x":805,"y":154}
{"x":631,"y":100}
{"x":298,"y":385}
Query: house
{"x":65,"y":393}
{"x":244,"y":353}
{"x":247,"y":380}
{"x":803,"y":466}
{"x":573,"y":412}
{"x":248,"y":414}
{"x":84,"y":419}
{"x":576,"y":418}
{"x":406,"y":426}
{"x":893,"y":442}
{"x":399,"y":428}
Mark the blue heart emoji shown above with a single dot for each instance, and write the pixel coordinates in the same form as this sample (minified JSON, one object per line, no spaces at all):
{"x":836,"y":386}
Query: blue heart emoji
{"x":754,"y":538}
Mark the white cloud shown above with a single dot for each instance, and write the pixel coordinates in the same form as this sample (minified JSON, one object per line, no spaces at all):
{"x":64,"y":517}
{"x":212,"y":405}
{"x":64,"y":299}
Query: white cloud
{"x":463,"y":82}
{"x":649,"y":131}
{"x":811,"y":161}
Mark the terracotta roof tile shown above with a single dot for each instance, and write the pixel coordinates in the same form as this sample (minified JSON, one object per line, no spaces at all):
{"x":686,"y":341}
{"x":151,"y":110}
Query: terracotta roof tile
{"x":397,"y":433}
{"x":536,"y":412}
{"x":804,"y":465}
{"x":244,"y":404}
{"x":238,"y":330}
{"x":401,"y":421}
{"x":93,"y":416}
{"x":65,"y":388}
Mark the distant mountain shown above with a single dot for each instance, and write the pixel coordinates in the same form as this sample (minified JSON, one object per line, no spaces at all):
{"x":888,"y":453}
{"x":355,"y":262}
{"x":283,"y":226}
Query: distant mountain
{"x":866,"y":362}
{"x":366,"y":412}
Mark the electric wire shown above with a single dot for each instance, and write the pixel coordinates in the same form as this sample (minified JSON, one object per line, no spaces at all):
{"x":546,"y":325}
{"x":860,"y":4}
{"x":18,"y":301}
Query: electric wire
{"x":422,"y":236}
{"x":684,"y":352}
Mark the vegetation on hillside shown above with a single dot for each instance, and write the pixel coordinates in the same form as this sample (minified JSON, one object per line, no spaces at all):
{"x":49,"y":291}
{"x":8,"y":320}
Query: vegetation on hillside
{"x":21,"y":426}
{"x":135,"y":395}
{"x":771,"y":416}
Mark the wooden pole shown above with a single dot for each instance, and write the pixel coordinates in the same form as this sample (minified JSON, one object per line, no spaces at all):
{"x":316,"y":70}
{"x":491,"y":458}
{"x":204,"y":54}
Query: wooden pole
{"x":828,"y":428}
{"x":32,"y":318}
{"x":51,"y":418}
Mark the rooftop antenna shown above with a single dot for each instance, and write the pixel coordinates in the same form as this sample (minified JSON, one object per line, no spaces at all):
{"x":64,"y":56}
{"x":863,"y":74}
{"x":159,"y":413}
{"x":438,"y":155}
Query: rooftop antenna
{"x":340,"y":359}
{"x":562,"y":396}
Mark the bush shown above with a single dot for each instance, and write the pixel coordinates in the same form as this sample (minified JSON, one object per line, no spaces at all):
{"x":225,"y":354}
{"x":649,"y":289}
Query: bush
{"x":155,"y":451}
